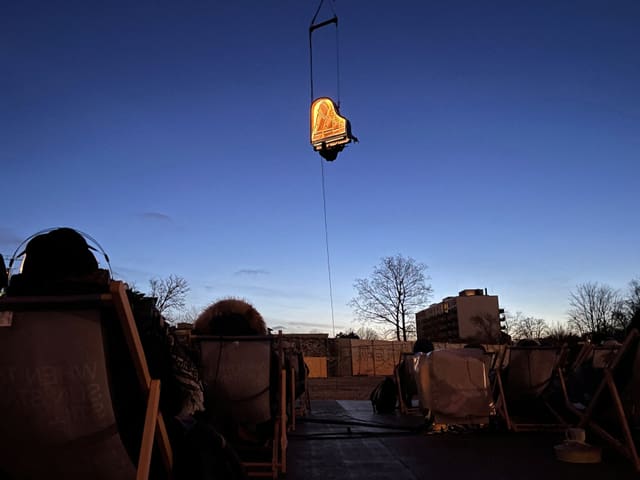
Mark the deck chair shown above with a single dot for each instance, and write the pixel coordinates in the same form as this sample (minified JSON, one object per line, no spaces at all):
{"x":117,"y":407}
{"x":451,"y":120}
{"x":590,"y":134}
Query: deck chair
{"x":405,"y":376}
{"x":73,"y":405}
{"x":522,"y":382}
{"x":454,"y":386}
{"x":298,"y":400}
{"x":245,"y":392}
{"x":605,"y":412}
{"x":581,"y":379}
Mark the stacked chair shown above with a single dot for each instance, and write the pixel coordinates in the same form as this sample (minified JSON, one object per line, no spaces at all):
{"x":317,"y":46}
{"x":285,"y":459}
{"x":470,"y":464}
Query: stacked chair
{"x":245,"y":396}
{"x":523,"y":381}
{"x":582,"y":377}
{"x":78,"y":400}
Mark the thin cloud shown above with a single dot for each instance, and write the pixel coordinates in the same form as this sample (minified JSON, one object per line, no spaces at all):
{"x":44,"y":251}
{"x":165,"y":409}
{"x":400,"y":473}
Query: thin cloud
{"x":156,"y":217}
{"x":252,"y":271}
{"x":270,"y":292}
{"x":312,"y":325}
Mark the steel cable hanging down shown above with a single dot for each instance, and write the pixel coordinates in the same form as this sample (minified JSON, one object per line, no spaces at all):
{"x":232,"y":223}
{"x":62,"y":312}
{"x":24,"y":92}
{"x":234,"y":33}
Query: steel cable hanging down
{"x":326,"y":240}
{"x":330,"y":131}
{"x":312,"y":28}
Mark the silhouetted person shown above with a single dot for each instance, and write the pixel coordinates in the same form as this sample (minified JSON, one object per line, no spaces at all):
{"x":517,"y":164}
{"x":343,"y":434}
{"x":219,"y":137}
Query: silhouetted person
{"x":234,"y":317}
{"x":58,"y":262}
{"x":423,"y":345}
{"x":230,"y":317}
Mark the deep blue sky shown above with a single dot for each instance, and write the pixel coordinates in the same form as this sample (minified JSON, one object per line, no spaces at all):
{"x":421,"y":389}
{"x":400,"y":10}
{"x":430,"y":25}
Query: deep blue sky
{"x":500,"y":145}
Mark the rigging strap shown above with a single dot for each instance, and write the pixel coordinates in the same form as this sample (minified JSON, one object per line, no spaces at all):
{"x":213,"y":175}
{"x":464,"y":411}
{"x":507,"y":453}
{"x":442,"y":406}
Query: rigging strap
{"x":315,"y":26}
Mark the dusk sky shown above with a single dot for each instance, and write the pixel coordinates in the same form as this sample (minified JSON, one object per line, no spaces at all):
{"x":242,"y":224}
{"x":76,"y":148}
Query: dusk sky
{"x":499,"y":144}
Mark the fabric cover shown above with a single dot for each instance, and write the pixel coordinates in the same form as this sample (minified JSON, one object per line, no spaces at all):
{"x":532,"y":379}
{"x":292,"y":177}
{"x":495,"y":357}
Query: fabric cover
{"x":529,"y":371}
{"x":56,"y":414}
{"x":236,"y":375}
{"x":453,"y":385}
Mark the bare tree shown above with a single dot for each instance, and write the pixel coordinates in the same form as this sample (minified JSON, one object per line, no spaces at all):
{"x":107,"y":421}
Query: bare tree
{"x":561,"y":332}
{"x":396,"y":289}
{"x":526,"y":327}
{"x":170,"y":293}
{"x":367,"y":333}
{"x":632,"y":299}
{"x":186,"y":315}
{"x":596,"y":309}
{"x":348,"y":334}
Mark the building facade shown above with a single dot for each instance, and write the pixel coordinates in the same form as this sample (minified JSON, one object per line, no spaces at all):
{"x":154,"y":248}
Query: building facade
{"x":471,"y":317}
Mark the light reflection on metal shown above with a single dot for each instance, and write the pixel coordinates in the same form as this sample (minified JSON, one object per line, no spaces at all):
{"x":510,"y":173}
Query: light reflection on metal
{"x":330,"y":131}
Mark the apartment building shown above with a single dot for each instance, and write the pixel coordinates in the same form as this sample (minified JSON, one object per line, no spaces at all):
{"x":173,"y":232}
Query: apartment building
{"x":471,"y":317}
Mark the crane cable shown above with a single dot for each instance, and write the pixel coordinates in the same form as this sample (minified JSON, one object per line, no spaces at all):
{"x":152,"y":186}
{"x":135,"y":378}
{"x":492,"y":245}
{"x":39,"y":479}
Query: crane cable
{"x":312,"y":28}
{"x":326,"y":241}
{"x":315,"y":26}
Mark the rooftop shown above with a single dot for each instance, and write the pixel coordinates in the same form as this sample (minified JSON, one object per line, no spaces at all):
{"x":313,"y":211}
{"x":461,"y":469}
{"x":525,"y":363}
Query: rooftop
{"x":344,"y":439}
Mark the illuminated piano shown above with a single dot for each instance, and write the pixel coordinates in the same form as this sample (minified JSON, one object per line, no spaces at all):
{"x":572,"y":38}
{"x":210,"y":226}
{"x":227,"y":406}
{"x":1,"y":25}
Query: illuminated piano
{"x":330,"y":132}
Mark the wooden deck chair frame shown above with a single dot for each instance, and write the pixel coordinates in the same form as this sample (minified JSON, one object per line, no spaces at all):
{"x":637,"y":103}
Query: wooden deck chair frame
{"x":278,"y":463}
{"x":583,"y":354}
{"x":586,"y":418}
{"x":502,"y":400}
{"x":299,"y":406}
{"x":154,"y":429}
{"x":404,"y":408}
{"x":305,"y":401}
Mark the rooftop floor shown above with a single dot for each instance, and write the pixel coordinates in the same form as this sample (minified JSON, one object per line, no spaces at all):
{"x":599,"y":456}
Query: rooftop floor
{"x":339,"y":439}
